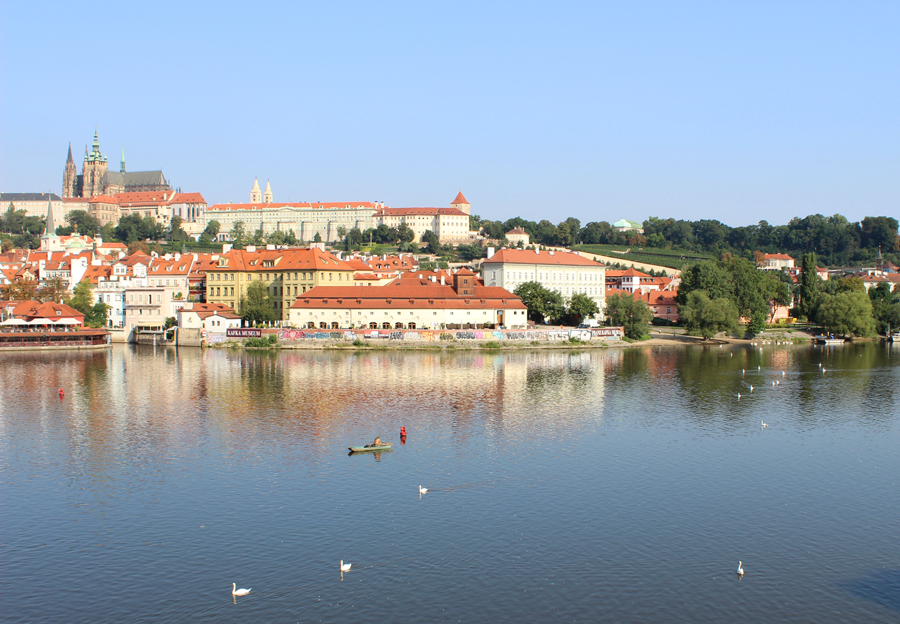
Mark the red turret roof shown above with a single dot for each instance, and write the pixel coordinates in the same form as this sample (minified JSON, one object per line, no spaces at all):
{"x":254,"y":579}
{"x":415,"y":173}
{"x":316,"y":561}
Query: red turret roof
{"x":460,"y":199}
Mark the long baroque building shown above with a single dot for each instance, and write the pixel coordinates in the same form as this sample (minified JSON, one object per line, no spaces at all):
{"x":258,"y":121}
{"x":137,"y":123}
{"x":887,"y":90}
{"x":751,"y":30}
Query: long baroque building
{"x":327,"y":219}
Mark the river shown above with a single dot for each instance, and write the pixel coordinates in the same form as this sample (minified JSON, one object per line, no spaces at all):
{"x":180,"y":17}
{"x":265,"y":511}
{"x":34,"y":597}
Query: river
{"x":609,"y":485}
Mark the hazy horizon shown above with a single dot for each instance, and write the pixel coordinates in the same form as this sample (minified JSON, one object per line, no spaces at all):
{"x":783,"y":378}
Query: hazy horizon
{"x":597,"y":111}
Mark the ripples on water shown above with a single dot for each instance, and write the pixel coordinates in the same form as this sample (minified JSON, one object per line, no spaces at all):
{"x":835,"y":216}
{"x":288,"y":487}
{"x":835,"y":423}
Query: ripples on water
{"x":614,"y":485}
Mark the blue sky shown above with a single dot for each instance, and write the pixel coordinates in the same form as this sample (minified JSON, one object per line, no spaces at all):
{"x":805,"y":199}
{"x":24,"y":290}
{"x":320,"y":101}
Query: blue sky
{"x":726,"y":110}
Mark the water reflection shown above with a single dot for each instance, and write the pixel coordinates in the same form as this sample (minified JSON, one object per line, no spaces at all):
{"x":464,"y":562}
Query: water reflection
{"x":611,"y":482}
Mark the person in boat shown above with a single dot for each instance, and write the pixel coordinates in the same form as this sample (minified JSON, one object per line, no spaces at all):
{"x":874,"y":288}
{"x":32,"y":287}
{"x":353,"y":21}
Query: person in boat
{"x":377,"y":442}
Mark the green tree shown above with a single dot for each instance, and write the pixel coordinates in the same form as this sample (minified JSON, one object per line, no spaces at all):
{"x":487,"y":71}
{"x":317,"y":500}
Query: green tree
{"x":238,"y":234}
{"x":405,"y":234}
{"x":809,"y":286}
{"x":256,"y":305}
{"x":276,"y":238}
{"x":581,"y":307}
{"x":212,"y":229}
{"x":432,"y":243}
{"x":176,"y":233}
{"x":706,"y":317}
{"x":542,"y":304}
{"x":317,"y":238}
{"x":98,"y":315}
{"x":6,"y":245}
{"x":629,"y":312}
{"x":141,"y":246}
{"x":846,"y":314}
{"x":83,"y":222}
{"x":83,"y":297}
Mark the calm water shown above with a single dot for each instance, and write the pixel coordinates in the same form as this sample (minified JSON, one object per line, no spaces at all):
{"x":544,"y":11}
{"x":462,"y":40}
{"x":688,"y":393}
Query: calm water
{"x":601,"y":486}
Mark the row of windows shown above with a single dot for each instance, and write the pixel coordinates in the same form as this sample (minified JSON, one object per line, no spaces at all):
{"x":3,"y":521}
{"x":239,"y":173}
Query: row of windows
{"x":550,"y":275}
{"x":229,"y":277}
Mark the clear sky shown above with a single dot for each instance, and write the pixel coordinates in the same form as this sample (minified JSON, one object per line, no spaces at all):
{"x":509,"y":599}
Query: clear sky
{"x":597,"y":110}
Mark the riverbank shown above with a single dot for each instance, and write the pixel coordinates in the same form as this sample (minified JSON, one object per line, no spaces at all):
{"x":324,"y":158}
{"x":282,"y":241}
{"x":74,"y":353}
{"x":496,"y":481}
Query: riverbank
{"x":471,"y":341}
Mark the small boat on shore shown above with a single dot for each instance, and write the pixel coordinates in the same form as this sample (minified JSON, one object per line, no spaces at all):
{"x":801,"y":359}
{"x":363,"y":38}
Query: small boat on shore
{"x":368,"y":448}
{"x":825,"y":340}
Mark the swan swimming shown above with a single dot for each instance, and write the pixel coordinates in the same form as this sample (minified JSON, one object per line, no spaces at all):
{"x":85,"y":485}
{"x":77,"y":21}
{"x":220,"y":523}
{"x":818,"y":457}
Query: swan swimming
{"x":345,"y":567}
{"x":239,"y":592}
{"x":764,"y":426}
{"x":739,"y":396}
{"x":751,"y":389}
{"x":422,"y":490}
{"x":740,"y":570}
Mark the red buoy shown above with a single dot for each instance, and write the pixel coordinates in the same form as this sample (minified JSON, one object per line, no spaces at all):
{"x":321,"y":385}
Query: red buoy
{"x":61,"y":393}
{"x":402,"y":431}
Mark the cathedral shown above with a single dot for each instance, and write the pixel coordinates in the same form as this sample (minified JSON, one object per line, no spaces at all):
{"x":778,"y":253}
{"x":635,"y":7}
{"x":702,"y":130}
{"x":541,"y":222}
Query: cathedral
{"x":96,"y":179}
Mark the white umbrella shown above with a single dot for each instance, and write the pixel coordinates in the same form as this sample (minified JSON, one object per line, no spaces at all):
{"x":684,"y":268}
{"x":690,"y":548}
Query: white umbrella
{"x":67,"y":321}
{"x":14,"y":321}
{"x":40,"y":321}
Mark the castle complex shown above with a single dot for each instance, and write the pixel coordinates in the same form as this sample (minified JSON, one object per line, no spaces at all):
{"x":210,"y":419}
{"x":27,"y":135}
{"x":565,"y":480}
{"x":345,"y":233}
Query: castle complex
{"x":96,"y":179}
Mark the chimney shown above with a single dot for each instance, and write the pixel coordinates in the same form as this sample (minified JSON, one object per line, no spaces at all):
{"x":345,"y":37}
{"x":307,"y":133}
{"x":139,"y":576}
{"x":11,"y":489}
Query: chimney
{"x":252,"y":249}
{"x":550,"y":252}
{"x":270,"y":247}
{"x":490,"y":253}
{"x":442,"y":280}
{"x":537,"y":251}
{"x":434,"y":279}
{"x":226,"y":247}
{"x":177,"y":257}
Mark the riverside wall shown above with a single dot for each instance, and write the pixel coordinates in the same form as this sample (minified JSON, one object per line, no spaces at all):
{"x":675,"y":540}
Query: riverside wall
{"x":412,"y":337}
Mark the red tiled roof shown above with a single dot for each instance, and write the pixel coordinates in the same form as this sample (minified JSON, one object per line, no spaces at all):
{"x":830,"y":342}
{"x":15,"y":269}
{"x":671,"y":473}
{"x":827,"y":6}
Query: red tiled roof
{"x":777,"y":257}
{"x":460,"y":199}
{"x":401,"y":294}
{"x":402,"y":212}
{"x":529,"y":256}
{"x":188,"y":198}
{"x":283,"y":259}
{"x":321,"y":205}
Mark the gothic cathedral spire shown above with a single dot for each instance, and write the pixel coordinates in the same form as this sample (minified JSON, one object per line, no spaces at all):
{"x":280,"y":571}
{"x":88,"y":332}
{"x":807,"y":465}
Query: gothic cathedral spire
{"x":255,"y":195}
{"x":122,"y":166}
{"x":267,"y":197}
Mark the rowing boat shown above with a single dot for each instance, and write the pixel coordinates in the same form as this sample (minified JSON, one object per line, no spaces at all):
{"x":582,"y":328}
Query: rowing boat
{"x":371,"y":449}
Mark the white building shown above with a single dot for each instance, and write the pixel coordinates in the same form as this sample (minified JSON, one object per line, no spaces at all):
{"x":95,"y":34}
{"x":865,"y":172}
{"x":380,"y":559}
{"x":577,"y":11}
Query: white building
{"x":566,"y":272}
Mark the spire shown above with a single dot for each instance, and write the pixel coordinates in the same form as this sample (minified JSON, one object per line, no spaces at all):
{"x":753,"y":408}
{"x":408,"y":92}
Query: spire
{"x":122,"y":167}
{"x":69,"y":159}
{"x":267,"y":198}
{"x":460,"y":199}
{"x":51,"y":225}
{"x":255,"y":195}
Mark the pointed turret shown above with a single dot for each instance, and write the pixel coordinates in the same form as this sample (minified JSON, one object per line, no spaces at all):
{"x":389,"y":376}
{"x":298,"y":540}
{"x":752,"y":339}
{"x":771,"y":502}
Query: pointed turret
{"x":50,"y":241}
{"x":122,"y":166}
{"x":70,"y":159}
{"x":461,"y":203}
{"x":255,"y":195}
{"x":267,"y":198}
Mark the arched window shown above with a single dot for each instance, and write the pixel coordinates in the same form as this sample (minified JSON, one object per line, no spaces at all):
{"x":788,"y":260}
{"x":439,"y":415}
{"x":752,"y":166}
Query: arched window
{"x":373,"y":325}
{"x":310,"y":325}
{"x":398,"y":325}
{"x":335,"y":325}
{"x":411,"y":326}
{"x":323,"y":325}
{"x":385,"y":326}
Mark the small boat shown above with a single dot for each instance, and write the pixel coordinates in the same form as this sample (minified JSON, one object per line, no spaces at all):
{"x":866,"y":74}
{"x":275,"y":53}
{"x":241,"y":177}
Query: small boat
{"x":824,"y":340}
{"x":895,"y":337}
{"x":384,"y":446}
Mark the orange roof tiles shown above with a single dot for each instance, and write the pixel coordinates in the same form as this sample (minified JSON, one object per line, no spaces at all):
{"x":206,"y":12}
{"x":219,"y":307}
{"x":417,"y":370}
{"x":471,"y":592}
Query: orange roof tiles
{"x":460,"y":199}
{"x":281,"y":259}
{"x":316,"y":205}
{"x":401,"y":212}
{"x":405,"y":296}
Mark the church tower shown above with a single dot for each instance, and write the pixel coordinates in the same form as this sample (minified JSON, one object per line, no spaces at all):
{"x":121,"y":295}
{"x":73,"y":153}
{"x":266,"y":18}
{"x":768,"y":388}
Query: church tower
{"x":122,"y":166}
{"x":70,"y":177}
{"x":94,"y":170}
{"x":267,"y":198}
{"x":255,"y":195}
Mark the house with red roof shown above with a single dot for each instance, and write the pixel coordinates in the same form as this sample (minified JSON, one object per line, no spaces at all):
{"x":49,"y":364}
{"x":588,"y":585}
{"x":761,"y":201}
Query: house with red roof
{"x":212,"y":317}
{"x":450,"y":225}
{"x":410,"y":302}
{"x":774,"y":262}
{"x":568,"y":273}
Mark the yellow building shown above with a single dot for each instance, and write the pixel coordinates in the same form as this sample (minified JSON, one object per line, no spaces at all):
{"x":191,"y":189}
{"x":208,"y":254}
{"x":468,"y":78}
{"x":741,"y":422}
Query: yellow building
{"x":287,"y":274}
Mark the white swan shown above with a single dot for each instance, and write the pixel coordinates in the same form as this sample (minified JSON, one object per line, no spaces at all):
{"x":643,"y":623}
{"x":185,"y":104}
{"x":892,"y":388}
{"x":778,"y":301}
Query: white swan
{"x":239,"y":592}
{"x":345,"y":567}
{"x":764,"y":425}
{"x":740,"y":570}
{"x":782,"y":373}
{"x":773,"y":383}
{"x":739,"y":396}
{"x":422,"y":490}
{"x":751,"y":389}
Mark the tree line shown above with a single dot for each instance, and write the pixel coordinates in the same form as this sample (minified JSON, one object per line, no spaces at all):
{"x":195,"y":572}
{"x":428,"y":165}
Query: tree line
{"x":835,"y":240}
